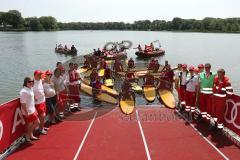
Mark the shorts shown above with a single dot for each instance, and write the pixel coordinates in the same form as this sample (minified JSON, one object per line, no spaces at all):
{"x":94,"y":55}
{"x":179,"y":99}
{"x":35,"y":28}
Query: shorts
{"x":31,"y":118}
{"x":41,"y":108}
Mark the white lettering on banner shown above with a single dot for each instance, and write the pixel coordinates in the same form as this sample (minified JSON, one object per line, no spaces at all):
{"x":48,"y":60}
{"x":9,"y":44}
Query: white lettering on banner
{"x":16,"y":122}
{"x":1,"y":130}
{"x":233,"y":113}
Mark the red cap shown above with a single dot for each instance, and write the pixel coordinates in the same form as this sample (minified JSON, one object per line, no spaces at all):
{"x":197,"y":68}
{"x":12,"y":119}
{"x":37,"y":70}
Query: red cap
{"x":191,"y":68}
{"x":200,"y":66}
{"x":184,"y":65}
{"x":48,"y":72}
{"x":36,"y":72}
{"x":196,"y":70}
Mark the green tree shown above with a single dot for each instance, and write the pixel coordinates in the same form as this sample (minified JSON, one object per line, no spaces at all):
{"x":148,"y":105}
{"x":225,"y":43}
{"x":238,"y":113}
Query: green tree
{"x":49,"y":23}
{"x":33,"y":24}
{"x":14,"y":18}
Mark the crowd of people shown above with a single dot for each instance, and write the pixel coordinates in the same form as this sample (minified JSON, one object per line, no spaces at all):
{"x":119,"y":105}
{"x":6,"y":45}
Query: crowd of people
{"x":41,"y":97}
{"x":202,"y":93}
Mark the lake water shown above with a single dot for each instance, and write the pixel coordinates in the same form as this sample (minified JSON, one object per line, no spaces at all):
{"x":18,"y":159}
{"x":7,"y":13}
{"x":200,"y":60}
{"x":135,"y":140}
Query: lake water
{"x":23,"y":52}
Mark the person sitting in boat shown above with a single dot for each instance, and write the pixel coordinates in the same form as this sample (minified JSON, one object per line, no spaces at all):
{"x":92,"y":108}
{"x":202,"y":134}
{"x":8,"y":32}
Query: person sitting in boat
{"x":152,"y":47}
{"x":65,"y":48}
{"x":156,"y":66}
{"x":107,"y":73}
{"x":139,"y":48}
{"x":103,"y":63}
{"x":60,"y":46}
{"x":118,"y":67}
{"x":131,"y":63}
{"x":149,"y":79}
{"x":93,"y":62}
{"x":93,"y":76}
{"x":96,"y":87}
{"x":73,"y":49}
{"x":130,"y":76}
{"x":167,"y":77}
{"x":127,"y":91}
{"x":104,"y":50}
{"x":99,"y":52}
{"x":151,"y":65}
{"x":95,"y":52}
{"x":86,"y":63}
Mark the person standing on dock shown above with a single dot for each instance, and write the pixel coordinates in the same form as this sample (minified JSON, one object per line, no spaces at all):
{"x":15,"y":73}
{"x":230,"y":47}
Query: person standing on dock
{"x":204,"y":96}
{"x":74,"y":84}
{"x":40,"y":103}
{"x":180,"y":85}
{"x":191,"y":90}
{"x":222,"y":89}
{"x":28,"y":108}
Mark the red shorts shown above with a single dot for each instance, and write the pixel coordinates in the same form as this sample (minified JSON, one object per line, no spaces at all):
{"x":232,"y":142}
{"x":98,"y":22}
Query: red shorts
{"x":41,"y":108}
{"x":74,"y":93}
{"x":31,"y":118}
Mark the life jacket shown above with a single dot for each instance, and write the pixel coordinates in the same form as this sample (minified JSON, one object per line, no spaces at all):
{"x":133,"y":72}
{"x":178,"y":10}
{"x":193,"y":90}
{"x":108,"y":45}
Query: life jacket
{"x":118,"y":67}
{"x":206,"y":83}
{"x":222,"y":89}
{"x":130,"y":76}
{"x":130,"y":63}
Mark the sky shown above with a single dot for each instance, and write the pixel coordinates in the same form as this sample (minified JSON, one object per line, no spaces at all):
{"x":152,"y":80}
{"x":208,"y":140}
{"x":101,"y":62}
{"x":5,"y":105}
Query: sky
{"x":123,"y":10}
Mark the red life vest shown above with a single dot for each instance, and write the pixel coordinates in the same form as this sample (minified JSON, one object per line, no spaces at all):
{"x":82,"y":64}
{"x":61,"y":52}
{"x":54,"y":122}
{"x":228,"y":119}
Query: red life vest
{"x":222,"y":88}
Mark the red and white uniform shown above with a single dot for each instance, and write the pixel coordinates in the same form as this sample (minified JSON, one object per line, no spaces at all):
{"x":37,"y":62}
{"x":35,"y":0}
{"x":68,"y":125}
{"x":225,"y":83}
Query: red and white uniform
{"x":190,"y":97}
{"x":27,"y":97}
{"x":39,"y":97}
{"x":221,"y":90}
{"x":182,"y":75}
{"x":74,"y":92}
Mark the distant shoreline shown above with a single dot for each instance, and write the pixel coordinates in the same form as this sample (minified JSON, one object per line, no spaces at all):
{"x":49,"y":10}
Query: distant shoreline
{"x":177,"y":31}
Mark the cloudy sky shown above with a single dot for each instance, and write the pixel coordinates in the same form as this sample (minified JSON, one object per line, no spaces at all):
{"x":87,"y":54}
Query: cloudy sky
{"x":123,"y":10}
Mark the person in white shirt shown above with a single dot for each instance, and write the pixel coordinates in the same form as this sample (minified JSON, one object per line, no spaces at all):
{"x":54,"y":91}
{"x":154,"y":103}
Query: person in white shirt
{"x":39,"y":100}
{"x":191,"y":90}
{"x":51,"y":97}
{"x":28,"y":108}
{"x":60,"y":88}
{"x":180,"y":85}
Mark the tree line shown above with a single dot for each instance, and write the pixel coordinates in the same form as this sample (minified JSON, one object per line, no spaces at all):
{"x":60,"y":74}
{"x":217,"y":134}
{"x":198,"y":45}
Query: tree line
{"x":13,"y":20}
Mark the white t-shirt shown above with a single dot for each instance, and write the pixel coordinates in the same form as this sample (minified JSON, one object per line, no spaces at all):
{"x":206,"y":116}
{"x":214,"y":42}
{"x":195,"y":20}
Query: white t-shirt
{"x":27,"y":97}
{"x":38,"y":92}
{"x":192,"y":82}
{"x":49,"y":90}
{"x":59,"y":83}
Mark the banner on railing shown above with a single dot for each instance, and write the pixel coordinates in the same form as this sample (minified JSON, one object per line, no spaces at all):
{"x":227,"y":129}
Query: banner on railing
{"x":12,"y":124}
{"x":232,"y":114}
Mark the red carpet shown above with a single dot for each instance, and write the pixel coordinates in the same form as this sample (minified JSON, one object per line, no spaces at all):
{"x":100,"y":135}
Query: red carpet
{"x":114,"y":136}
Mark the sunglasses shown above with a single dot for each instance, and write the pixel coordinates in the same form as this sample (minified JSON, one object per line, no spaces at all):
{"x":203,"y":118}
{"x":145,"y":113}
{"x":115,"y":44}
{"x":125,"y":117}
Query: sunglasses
{"x":30,"y":81}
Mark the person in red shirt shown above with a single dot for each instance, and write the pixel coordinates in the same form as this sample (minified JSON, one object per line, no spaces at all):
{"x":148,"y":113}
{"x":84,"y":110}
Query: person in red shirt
{"x":149,"y":79}
{"x":118,"y":67}
{"x":151,"y":65}
{"x":103,"y":64}
{"x":96,"y":88}
{"x":130,"y":76}
{"x":73,"y":87}
{"x":221,"y":90}
{"x":127,"y":91}
{"x":131,"y":63}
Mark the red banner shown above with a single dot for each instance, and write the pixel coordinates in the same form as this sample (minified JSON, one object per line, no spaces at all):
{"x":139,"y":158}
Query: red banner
{"x":12,"y":124}
{"x":232,"y":114}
